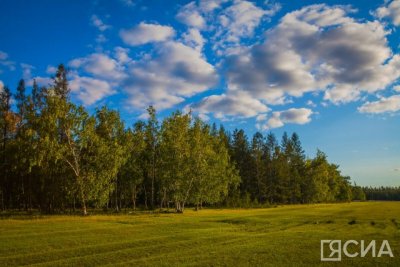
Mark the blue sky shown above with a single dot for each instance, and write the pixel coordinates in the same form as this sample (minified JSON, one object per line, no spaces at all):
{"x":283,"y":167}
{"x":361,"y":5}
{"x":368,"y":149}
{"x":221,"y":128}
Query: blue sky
{"x":327,"y":70}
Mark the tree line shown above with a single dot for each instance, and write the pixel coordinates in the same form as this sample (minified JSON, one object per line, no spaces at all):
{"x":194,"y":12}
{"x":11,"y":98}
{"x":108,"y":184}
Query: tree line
{"x":382,"y":193}
{"x":56,"y":157}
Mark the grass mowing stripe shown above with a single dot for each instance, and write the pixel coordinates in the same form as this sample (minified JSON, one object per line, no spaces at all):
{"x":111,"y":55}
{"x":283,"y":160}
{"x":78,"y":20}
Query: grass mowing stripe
{"x":120,"y":254}
{"x":82,"y":251}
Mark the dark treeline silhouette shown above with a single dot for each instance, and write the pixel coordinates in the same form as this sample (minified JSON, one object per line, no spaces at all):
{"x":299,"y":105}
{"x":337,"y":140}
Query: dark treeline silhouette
{"x":56,"y":157}
{"x":382,"y":193}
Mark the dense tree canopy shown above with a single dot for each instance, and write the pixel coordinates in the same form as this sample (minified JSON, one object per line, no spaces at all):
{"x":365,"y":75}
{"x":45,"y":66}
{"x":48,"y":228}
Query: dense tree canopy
{"x":56,"y":156}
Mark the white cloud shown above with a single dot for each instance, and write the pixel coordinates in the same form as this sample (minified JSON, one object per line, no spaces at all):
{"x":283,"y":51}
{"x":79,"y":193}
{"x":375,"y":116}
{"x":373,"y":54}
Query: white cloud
{"x":322,"y":15}
{"x":316,"y":48}
{"x":190,"y":15}
{"x":163,"y":78}
{"x":204,"y":117}
{"x":41,"y":81}
{"x":122,"y":55}
{"x":98,"y":23}
{"x":226,"y":26}
{"x":311,"y":103}
{"x":261,"y":117}
{"x":342,"y":93}
{"x":193,"y":38}
{"x":240,"y":19}
{"x":235,"y":104}
{"x":207,"y":6}
{"x":26,"y":71}
{"x":106,"y":73}
{"x":144,"y":116}
{"x":293,"y":115}
{"x":51,"y":69}
{"x":100,"y":65}
{"x":90,"y":90}
{"x":174,"y":72}
{"x":391,"y":10}
{"x":146,"y":33}
{"x":383,"y":105}
{"x":1,"y":85}
{"x":5,"y":62}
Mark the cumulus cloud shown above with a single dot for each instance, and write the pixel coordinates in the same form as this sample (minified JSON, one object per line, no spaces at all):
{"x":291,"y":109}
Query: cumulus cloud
{"x":146,"y":33}
{"x":193,"y":38}
{"x":90,"y":90}
{"x":293,"y":115}
{"x":236,"y":104}
{"x":240,"y":19}
{"x":102,"y":73}
{"x":98,"y":23}
{"x":99,"y":64}
{"x":122,"y":55}
{"x":261,"y":117}
{"x":226,"y":26}
{"x":190,"y":15}
{"x":316,"y":48}
{"x":390,"y":10}
{"x":164,"y":77}
{"x":210,"y":5}
{"x":175,"y":71}
{"x":383,"y":105}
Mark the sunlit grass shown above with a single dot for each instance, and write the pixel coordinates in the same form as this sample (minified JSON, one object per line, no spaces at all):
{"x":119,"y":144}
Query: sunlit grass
{"x":281,"y":236}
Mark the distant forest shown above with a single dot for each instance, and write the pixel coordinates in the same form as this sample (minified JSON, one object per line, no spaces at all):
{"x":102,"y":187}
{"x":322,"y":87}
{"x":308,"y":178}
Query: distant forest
{"x":56,"y":158}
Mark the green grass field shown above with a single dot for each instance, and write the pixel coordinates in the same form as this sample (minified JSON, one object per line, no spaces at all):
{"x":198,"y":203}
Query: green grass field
{"x":281,"y":236}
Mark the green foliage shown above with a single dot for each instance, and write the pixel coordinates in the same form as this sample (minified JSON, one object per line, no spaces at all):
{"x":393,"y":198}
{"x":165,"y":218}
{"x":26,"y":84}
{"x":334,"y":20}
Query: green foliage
{"x":56,"y":156}
{"x":273,"y":173}
{"x":358,"y":193}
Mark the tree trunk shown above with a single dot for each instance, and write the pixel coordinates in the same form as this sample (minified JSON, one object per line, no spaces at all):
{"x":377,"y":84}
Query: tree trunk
{"x":84,"y":208}
{"x":134,"y":197}
{"x":164,"y":198}
{"x":23,"y":194}
{"x":116,"y":196}
{"x":145,"y":197}
{"x":152,"y":186}
{"x":179,"y":206}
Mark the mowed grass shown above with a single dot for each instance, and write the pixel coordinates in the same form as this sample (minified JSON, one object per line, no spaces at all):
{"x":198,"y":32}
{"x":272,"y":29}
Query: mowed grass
{"x":280,"y":236}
